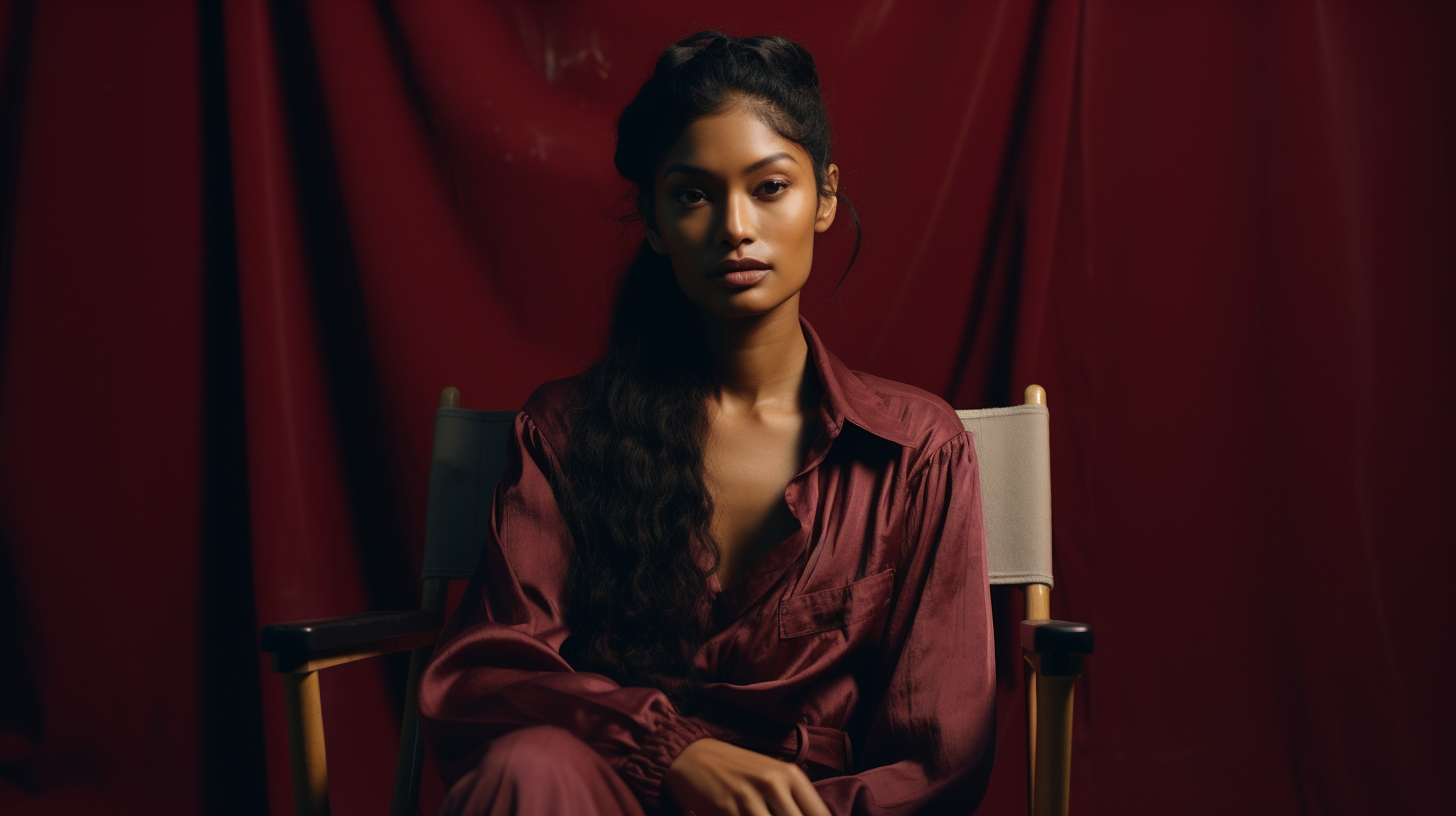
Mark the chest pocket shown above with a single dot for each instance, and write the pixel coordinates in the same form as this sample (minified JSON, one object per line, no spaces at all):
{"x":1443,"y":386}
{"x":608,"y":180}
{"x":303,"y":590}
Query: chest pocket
{"x":836,"y":608}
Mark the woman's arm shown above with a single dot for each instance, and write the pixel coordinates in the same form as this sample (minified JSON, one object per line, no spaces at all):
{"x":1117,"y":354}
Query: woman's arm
{"x":931,"y":739}
{"x":501,"y":669}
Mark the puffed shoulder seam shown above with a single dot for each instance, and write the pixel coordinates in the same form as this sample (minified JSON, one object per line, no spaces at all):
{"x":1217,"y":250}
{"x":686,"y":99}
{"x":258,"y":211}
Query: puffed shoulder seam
{"x":644,"y":770}
{"x":546,"y":408}
{"x":962,"y":439}
{"x":535,"y":434}
{"x":912,"y":485}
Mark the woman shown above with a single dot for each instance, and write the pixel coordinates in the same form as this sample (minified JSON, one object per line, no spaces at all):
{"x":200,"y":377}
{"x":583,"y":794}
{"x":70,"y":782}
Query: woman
{"x":725,"y":574}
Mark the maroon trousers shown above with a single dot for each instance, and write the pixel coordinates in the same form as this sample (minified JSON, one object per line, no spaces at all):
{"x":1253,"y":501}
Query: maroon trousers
{"x":539,"y":771}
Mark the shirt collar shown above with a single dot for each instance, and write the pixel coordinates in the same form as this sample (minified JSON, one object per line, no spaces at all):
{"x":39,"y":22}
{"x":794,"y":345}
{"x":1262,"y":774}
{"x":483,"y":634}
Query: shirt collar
{"x":848,"y":397}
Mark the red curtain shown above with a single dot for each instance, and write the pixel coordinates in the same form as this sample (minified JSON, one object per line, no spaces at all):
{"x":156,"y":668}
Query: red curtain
{"x":244,"y":244}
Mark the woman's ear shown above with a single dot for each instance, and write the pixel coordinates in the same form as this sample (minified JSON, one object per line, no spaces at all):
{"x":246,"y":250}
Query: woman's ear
{"x":655,"y":241}
{"x":649,"y":220}
{"x":828,"y":204}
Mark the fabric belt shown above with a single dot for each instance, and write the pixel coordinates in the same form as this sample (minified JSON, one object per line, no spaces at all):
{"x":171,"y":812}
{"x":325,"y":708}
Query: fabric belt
{"x":821,"y":752}
{"x":827,"y":748}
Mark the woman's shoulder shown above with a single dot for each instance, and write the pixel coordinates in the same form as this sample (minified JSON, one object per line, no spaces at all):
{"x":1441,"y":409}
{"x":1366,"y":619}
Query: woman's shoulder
{"x":912,"y":416}
{"x":546,"y":409}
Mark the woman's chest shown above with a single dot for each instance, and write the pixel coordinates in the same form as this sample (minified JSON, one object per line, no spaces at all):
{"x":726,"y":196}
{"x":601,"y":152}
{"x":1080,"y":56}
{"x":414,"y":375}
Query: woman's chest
{"x":748,"y":466}
{"x":821,"y":597}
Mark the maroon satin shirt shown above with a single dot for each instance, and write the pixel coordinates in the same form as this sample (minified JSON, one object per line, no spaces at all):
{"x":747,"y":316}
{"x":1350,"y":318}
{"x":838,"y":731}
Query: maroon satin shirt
{"x":860,"y":647}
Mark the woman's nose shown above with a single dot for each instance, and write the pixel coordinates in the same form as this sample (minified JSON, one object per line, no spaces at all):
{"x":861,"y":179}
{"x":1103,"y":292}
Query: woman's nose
{"x":737,"y":225}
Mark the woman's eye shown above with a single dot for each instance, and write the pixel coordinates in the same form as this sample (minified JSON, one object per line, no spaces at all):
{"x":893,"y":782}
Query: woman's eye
{"x":690,"y":197}
{"x":773,"y":187}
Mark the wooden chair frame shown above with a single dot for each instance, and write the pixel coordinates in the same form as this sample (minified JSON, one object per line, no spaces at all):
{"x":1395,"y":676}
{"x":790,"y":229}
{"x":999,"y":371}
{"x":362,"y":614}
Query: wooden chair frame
{"x":1052,"y":652}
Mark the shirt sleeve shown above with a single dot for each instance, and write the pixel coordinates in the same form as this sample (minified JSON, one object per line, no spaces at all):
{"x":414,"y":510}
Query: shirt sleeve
{"x":931,"y":738}
{"x":500,"y":669}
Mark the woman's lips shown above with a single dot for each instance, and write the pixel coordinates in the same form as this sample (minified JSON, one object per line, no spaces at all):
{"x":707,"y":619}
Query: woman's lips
{"x":744,"y":277}
{"x":737,"y":274}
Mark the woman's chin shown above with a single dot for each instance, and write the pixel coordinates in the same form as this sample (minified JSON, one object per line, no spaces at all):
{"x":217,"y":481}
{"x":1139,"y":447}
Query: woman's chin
{"x":747,"y":304}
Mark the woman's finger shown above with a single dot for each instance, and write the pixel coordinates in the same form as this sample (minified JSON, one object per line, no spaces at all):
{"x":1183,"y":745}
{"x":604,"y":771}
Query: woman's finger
{"x":751,"y":802}
{"x":778,"y":794}
{"x":807,"y":796}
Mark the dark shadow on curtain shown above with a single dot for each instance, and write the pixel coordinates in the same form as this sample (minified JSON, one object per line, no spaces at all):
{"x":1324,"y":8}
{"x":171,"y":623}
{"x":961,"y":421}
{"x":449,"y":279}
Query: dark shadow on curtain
{"x":14,"y":61}
{"x":234,"y":778}
{"x":22,"y":718}
{"x":414,"y":91}
{"x":362,"y":432}
{"x":1006,"y":204}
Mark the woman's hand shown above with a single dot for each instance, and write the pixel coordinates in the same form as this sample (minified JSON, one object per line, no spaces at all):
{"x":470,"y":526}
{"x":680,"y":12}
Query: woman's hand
{"x":714,"y":778}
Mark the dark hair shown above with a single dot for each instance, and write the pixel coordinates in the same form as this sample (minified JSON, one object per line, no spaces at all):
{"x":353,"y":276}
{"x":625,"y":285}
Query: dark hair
{"x":632,"y":486}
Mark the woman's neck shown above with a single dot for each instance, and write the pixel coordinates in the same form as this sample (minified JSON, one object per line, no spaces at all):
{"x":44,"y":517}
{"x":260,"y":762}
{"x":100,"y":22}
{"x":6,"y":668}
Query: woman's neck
{"x":762,"y":360}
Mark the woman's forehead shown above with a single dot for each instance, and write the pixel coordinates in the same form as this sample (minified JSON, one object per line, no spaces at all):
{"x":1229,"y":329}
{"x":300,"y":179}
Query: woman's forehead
{"x":729,"y":143}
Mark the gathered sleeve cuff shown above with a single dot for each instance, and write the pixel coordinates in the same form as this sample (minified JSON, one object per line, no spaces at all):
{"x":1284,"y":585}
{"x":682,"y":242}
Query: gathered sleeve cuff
{"x":644,"y":769}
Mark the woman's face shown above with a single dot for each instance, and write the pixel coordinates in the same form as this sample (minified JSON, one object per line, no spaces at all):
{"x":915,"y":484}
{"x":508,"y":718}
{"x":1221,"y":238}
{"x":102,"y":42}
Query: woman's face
{"x":737,"y":208}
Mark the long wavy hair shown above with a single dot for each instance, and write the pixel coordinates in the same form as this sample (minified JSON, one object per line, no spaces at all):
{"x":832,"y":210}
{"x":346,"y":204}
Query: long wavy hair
{"x":632,"y":486}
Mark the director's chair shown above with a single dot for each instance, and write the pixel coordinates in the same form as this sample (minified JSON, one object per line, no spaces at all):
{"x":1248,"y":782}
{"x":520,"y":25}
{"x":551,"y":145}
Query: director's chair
{"x":1012,"y":447}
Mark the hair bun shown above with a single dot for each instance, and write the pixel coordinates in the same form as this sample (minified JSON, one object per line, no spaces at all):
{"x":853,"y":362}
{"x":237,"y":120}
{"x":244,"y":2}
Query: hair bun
{"x":707,"y":40}
{"x":683,"y":51}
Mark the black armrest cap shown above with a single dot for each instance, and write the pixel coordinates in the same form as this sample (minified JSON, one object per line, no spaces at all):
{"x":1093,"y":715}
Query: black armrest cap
{"x":1056,"y":637}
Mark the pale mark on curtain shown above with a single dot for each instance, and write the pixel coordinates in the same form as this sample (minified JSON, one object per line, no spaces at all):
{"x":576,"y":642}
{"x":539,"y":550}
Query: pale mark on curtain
{"x":592,"y":54}
{"x":871,"y":19}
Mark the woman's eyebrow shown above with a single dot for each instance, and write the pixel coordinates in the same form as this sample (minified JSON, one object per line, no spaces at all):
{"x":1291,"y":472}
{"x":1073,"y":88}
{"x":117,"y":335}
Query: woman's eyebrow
{"x":749,"y":170}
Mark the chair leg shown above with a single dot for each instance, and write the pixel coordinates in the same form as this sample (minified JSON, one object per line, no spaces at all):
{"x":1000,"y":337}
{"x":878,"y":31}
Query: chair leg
{"x":1054,"y":744}
{"x":411,"y":745}
{"x":1030,"y":669}
{"x":1038,"y":603}
{"x":411,"y":760}
{"x":306,"y":744}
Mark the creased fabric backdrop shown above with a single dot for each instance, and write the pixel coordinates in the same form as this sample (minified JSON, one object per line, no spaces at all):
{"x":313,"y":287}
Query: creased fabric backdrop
{"x":245,"y":244}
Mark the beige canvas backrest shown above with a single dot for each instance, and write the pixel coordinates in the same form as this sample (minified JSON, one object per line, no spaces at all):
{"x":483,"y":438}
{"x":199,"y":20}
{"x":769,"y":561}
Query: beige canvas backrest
{"x":1013,"y":449}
